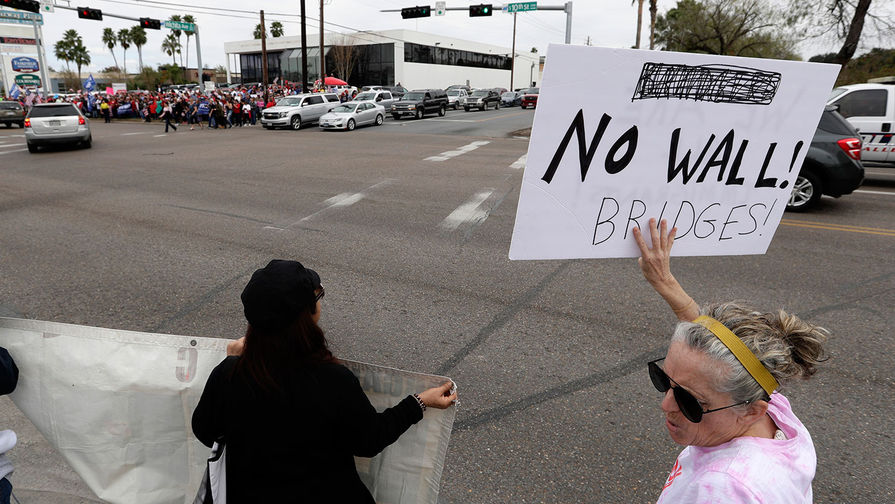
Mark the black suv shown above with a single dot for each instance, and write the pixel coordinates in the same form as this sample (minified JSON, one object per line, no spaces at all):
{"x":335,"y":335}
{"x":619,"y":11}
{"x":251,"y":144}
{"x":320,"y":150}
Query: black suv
{"x":11,"y":112}
{"x":832,"y":165}
{"x":420,"y":102}
{"x":482,"y":99}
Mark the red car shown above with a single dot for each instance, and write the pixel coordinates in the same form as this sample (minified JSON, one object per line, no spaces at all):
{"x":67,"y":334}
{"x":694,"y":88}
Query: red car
{"x":530,"y":97}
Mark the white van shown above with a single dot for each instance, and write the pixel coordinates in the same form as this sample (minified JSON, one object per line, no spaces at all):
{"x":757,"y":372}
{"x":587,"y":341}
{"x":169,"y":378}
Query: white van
{"x":870,"y":108}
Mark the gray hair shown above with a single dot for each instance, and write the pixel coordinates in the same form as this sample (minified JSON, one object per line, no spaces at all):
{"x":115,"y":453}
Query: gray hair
{"x":786,"y":345}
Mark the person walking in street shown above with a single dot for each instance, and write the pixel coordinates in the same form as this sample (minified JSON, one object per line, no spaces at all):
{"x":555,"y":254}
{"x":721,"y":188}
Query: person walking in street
{"x":168,"y":114}
{"x":104,"y":107}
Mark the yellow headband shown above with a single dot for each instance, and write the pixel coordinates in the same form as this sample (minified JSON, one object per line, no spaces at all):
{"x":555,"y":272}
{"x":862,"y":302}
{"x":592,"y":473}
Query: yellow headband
{"x":741,"y":352}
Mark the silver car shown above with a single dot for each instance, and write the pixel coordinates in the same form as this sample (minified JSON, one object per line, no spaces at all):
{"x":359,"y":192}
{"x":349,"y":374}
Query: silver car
{"x":352,"y":114}
{"x":55,"y":123}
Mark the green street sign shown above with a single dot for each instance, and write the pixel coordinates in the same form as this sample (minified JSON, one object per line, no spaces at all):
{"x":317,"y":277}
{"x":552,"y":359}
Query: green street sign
{"x":27,"y":80}
{"x":522,"y":6}
{"x":180,"y":25}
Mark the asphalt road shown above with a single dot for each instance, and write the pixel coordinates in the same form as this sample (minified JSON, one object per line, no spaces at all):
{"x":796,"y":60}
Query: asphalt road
{"x":409,"y":225}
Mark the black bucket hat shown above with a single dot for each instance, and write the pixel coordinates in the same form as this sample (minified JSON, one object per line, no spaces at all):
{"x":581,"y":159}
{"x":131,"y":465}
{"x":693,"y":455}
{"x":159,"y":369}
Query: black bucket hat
{"x":277,"y":293}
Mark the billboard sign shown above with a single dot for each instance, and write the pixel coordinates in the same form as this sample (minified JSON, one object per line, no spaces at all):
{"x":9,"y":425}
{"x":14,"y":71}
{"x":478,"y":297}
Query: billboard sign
{"x":25,"y":64}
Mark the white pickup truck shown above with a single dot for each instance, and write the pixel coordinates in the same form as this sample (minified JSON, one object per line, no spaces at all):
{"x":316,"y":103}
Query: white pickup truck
{"x":870,"y":108}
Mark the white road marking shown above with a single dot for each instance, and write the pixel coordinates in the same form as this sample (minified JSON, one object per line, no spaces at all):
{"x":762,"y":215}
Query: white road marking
{"x":470,"y":211}
{"x":444,"y":156}
{"x":7,"y":145}
{"x":519,"y":163}
{"x":338,"y":201}
{"x":865,"y":191}
{"x":11,"y":151}
{"x":452,"y":120}
{"x":163,"y":134}
{"x":134,"y":133}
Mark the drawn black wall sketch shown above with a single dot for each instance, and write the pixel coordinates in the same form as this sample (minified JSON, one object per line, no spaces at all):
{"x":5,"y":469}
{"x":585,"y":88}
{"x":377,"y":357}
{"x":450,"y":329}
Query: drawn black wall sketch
{"x":711,"y":83}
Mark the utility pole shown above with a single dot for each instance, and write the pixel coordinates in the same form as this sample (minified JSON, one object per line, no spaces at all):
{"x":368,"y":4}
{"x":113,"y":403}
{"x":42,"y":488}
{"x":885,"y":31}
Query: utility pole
{"x":513,"y":59}
{"x":264,"y":56}
{"x":639,"y":22}
{"x":322,"y":56}
{"x":304,"y":50}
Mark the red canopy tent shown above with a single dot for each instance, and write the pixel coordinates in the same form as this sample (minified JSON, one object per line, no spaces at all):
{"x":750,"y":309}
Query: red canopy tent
{"x":332,"y":81}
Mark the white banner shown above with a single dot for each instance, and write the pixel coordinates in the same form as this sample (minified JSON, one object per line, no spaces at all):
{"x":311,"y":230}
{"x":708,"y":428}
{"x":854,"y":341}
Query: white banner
{"x":711,"y":143}
{"x":118,"y":404}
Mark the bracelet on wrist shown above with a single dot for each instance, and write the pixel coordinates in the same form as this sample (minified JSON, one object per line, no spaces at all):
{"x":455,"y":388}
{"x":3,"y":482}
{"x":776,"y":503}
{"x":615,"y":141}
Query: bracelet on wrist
{"x":420,"y":402}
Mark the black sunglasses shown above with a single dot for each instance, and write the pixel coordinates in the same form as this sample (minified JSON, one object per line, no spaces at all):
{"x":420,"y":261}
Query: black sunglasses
{"x":688,"y":404}
{"x":319,"y":296}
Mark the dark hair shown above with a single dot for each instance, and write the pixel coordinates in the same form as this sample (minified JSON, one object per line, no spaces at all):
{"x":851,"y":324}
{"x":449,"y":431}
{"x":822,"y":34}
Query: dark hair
{"x":271,"y":355}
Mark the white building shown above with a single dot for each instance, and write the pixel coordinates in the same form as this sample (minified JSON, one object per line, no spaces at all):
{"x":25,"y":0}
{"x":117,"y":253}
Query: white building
{"x":411,"y":58}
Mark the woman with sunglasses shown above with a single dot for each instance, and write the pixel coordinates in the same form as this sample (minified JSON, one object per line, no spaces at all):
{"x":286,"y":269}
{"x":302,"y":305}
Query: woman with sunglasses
{"x":291,"y":417}
{"x":720,"y":377}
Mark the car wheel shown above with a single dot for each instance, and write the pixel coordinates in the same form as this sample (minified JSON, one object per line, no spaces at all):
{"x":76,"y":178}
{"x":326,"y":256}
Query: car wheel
{"x":497,"y":106}
{"x":32,"y":148}
{"x":419,"y":113}
{"x":379,"y":119}
{"x":350,"y":125}
{"x":442,"y":111}
{"x":296,"y":122}
{"x":8,"y":125}
{"x":396,"y":116}
{"x":87,"y":143}
{"x":523,"y":106}
{"x":805,"y":192}
{"x":22,"y":125}
{"x":466,"y":109}
{"x":456,"y":106}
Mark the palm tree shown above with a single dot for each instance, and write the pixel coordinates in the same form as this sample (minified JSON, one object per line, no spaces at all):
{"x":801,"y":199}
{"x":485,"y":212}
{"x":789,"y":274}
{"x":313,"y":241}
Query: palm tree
{"x":111,"y":41}
{"x":276,"y":29}
{"x":138,"y":37}
{"x":639,"y":21}
{"x":171,"y":46}
{"x":177,"y":33}
{"x":188,"y":18}
{"x":62,"y":50}
{"x":81,"y":57}
{"x":124,"y":39}
{"x":653,"y":9}
{"x":257,"y":33}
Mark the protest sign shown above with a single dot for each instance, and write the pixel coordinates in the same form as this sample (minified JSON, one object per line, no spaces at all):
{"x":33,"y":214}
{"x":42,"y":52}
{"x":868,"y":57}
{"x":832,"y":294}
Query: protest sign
{"x":711,"y":143}
{"x":118,"y":404}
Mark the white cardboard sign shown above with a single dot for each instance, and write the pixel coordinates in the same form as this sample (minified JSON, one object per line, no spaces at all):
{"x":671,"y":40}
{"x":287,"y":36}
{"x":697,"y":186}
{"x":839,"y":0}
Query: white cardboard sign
{"x":711,"y":143}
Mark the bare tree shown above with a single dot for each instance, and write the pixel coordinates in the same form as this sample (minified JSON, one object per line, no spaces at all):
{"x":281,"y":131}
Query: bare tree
{"x":345,"y":56}
{"x":845,"y":20}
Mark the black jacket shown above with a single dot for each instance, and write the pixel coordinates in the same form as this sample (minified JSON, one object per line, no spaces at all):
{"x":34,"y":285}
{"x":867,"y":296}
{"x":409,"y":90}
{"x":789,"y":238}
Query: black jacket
{"x":297,"y":445}
{"x":9,"y":373}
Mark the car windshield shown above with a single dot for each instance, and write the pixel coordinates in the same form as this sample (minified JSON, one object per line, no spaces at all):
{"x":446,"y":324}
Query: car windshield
{"x":289,"y":102}
{"x":344,"y":109}
{"x":454,"y":92}
{"x":414,"y":96}
{"x":836,"y":92}
{"x":53,"y":111}
{"x":480,"y":93}
{"x":365,"y":97}
{"x":509,"y":94}
{"x":10,"y":106}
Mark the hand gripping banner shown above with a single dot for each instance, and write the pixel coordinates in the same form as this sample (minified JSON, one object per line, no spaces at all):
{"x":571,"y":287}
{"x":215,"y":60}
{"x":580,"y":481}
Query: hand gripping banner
{"x":117,"y":405}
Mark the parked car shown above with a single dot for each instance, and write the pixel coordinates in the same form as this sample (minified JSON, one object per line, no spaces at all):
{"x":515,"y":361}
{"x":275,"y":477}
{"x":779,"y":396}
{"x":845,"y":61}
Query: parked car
{"x":511,"y":99}
{"x":464,"y":87}
{"x":420,"y":102}
{"x":11,"y":112}
{"x":870,"y":108}
{"x":456,"y":97}
{"x":530,"y":97}
{"x":349,"y":115}
{"x":56,"y":123}
{"x":379,"y":97}
{"x":832,"y":164}
{"x":373,"y":88}
{"x":295,"y":110}
{"x":398,"y":91}
{"x":482,"y":99}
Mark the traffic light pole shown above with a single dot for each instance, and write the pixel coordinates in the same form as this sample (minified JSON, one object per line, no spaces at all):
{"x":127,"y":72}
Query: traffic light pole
{"x":513,"y":59}
{"x":199,"y":59}
{"x":40,"y":57}
{"x":567,"y":8}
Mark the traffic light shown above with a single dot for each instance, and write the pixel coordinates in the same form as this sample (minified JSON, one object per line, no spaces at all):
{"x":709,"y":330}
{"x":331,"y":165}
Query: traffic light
{"x":479,"y":10}
{"x":25,"y":5}
{"x":88,"y":13}
{"x":416,"y":12}
{"x":150,"y":24}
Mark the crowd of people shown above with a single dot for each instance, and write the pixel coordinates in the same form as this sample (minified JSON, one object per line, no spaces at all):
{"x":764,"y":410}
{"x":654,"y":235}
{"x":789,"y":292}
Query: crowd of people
{"x":220,"y":108}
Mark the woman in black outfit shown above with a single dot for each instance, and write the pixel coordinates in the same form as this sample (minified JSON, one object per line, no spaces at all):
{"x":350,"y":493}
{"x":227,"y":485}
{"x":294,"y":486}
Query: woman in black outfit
{"x":291,"y":416}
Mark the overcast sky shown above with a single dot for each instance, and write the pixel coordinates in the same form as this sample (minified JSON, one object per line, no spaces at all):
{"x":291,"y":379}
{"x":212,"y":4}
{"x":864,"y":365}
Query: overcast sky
{"x":608,"y":23}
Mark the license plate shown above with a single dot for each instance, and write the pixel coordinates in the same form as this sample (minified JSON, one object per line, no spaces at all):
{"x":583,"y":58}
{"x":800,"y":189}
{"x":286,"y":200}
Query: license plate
{"x":55,"y":123}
